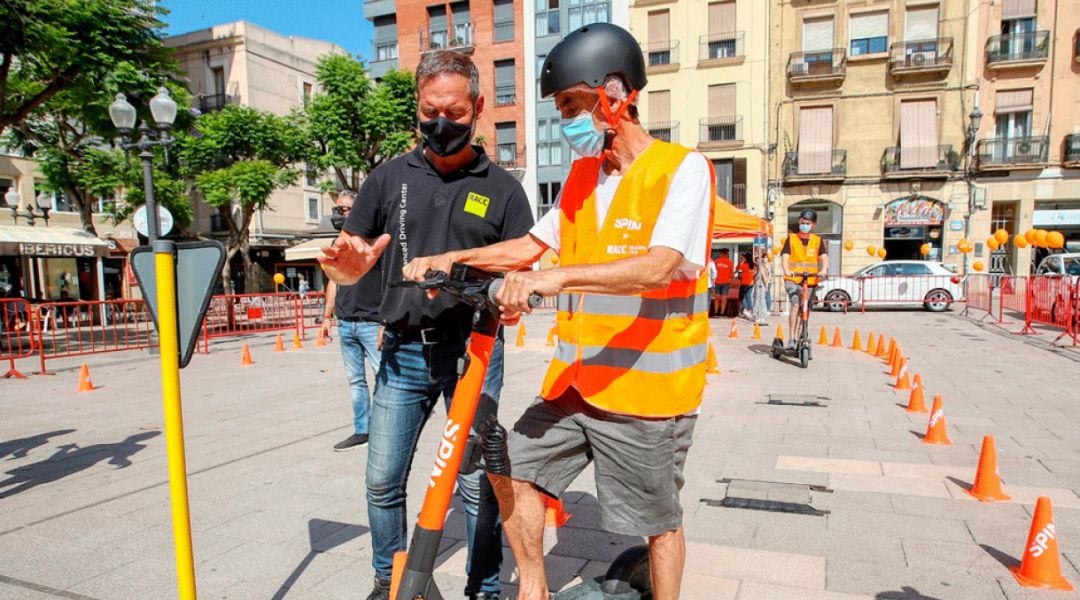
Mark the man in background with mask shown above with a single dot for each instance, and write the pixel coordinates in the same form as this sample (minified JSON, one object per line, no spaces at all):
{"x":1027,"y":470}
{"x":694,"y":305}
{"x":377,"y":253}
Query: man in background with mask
{"x":444,"y":195}
{"x":357,"y":310}
{"x":633,"y":231}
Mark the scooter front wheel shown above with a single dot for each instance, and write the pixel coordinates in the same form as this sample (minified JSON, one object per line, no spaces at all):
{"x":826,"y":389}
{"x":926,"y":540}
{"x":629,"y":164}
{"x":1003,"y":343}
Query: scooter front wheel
{"x":629,"y":573}
{"x":777,"y":348}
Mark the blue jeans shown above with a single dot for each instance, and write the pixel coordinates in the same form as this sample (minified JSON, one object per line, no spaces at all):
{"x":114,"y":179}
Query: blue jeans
{"x":359,"y":339}
{"x":411,"y":379}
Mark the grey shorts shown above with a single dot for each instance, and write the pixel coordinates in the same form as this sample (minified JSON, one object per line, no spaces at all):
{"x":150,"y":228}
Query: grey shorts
{"x":722,"y":289}
{"x":794,"y":292}
{"x":638,"y":462}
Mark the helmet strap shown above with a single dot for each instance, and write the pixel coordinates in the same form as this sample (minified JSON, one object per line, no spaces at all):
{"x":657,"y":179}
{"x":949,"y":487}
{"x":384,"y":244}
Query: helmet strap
{"x":612,"y":118}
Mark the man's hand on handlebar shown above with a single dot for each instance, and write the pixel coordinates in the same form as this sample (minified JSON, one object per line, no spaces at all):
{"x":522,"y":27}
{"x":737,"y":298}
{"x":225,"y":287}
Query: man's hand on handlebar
{"x":418,"y":268}
{"x":519,"y":285}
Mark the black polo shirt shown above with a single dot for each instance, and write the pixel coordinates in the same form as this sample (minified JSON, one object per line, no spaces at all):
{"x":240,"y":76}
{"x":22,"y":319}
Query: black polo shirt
{"x":426,"y":213}
{"x":361,"y":300}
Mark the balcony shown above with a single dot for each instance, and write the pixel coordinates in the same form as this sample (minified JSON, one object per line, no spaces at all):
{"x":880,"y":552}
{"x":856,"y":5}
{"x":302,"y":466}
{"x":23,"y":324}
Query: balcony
{"x":505,"y":95}
{"x":718,"y":49}
{"x":661,"y":57}
{"x":720,"y":132}
{"x":1017,"y":50}
{"x":214,"y":102}
{"x":1071,"y":155}
{"x":929,"y":162}
{"x":824,"y":66}
{"x":930,"y":57}
{"x":507,"y":157}
{"x":459,"y":39}
{"x":667,"y":131}
{"x":829,"y":165}
{"x":1012,"y":153}
{"x":736,"y":196}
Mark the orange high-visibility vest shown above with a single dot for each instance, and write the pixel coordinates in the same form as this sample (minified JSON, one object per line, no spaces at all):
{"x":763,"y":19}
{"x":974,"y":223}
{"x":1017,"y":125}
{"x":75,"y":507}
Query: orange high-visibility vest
{"x":643,"y":354}
{"x":804,"y":258}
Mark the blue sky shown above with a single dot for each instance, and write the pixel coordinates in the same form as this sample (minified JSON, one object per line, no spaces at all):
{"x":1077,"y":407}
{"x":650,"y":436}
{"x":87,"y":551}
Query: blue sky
{"x":338,"y":21}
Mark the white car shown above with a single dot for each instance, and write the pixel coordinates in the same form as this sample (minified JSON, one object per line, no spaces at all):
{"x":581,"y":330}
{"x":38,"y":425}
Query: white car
{"x":894,"y":283}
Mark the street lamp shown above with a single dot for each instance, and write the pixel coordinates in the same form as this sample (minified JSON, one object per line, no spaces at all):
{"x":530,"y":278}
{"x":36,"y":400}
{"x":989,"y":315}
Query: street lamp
{"x":163,"y":110}
{"x":12,"y":199}
{"x":974,"y":120}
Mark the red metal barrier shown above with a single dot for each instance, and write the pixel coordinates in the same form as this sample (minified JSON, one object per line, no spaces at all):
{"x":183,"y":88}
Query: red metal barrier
{"x":65,"y":329}
{"x":242,"y":314}
{"x":16,"y":334}
{"x":979,"y":292}
{"x":1013,"y":297}
{"x":1053,"y":302}
{"x":311,"y":311}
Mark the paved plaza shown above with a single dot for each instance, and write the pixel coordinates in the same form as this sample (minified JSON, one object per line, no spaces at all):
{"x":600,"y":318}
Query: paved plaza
{"x":276,"y":513}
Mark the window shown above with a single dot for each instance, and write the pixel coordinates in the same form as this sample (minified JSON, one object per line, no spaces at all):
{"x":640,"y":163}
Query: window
{"x":658,"y":50}
{"x":815,"y":140}
{"x":547,"y":17}
{"x":305,"y":93}
{"x":217,"y":74}
{"x":918,"y":134}
{"x":385,"y":38}
{"x":583,"y":12}
{"x":921,"y":24}
{"x":437,"y":34}
{"x":503,"y":21}
{"x":1012,"y":113}
{"x":462,"y":25}
{"x":722,"y":41}
{"x":539,"y":69}
{"x":313,"y":210}
{"x":549,"y":142}
{"x":505,"y":83}
{"x":549,"y":195}
{"x":731,"y":180}
{"x":912,"y":269}
{"x":506,"y":144}
{"x":869,"y":33}
{"x":818,"y":35}
{"x":311,"y":177}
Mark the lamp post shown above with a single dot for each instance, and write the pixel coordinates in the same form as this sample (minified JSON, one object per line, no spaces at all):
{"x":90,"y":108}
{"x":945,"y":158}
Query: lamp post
{"x":974,"y":120}
{"x":12,"y":199}
{"x":163,"y":110}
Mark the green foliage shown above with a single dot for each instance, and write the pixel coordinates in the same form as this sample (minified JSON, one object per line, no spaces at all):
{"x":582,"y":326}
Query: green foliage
{"x":353,"y":125}
{"x":51,"y":46}
{"x":250,"y":183}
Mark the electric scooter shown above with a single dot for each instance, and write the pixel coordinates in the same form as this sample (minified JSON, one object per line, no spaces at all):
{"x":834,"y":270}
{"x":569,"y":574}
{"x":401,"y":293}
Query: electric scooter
{"x":802,"y":349}
{"x":412,"y":579}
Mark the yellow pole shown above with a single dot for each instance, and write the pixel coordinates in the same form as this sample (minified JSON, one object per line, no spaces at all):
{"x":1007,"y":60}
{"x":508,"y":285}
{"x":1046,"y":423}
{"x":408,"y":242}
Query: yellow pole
{"x":168,"y":333}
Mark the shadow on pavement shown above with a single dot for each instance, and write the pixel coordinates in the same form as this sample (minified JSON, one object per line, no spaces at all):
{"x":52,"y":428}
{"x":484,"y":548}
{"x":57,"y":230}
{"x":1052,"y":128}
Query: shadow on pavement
{"x":70,"y":459}
{"x":904,"y":593}
{"x":1006,"y":560}
{"x":965,"y":485}
{"x":323,"y":535}
{"x":21,"y":447}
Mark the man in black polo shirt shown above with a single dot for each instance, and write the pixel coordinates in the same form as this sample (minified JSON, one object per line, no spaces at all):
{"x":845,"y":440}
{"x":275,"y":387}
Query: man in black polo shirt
{"x":445,"y":195}
{"x":357,"y":309}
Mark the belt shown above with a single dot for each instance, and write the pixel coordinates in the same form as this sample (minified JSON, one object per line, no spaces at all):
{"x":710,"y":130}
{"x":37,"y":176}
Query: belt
{"x":356,"y":319}
{"x":429,"y":336}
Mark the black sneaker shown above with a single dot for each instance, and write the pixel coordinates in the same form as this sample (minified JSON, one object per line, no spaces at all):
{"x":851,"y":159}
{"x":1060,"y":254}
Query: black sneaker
{"x":354,"y":440}
{"x":381,"y":591}
{"x":484,"y":596}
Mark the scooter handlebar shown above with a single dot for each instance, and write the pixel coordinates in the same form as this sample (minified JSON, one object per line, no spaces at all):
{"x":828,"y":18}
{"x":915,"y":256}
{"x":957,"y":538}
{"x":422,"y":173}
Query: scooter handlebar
{"x":496,"y":284}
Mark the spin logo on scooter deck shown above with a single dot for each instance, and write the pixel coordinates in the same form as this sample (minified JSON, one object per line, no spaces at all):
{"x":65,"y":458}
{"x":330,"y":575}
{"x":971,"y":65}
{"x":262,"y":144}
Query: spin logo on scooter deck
{"x":446,"y":449}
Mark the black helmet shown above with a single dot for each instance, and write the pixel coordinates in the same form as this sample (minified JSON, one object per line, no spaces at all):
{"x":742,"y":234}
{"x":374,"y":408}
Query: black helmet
{"x":588,"y":55}
{"x":809,"y":214}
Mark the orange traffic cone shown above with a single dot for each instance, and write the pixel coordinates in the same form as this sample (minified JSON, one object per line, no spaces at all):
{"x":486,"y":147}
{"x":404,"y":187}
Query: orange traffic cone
{"x":779,"y":331}
{"x":823,"y":337}
{"x":757,"y":332}
{"x":897,"y":364}
{"x":245,"y":357}
{"x":1041,"y":565}
{"x":554,"y":518}
{"x":837,"y":341}
{"x":903,"y":384}
{"x":917,"y":401}
{"x":935,"y":429}
{"x":856,"y":342}
{"x":85,"y":385}
{"x":711,"y":364}
{"x":296,"y":341}
{"x":916,"y":381}
{"x":881,"y":347}
{"x":551,"y":336}
{"x":987,"y":485}
{"x":279,"y":345}
{"x":734,"y":333}
{"x":870,"y":343}
{"x":520,"y":342}
{"x":891,"y":351}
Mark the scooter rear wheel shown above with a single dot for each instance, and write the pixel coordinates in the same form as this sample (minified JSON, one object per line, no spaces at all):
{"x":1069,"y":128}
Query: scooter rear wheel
{"x":630,"y":573}
{"x":777,"y":348}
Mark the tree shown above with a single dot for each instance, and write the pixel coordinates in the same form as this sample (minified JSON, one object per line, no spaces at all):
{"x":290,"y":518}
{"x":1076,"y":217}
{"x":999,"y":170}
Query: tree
{"x":353,"y":124}
{"x":237,"y":157}
{"x":49,"y":46}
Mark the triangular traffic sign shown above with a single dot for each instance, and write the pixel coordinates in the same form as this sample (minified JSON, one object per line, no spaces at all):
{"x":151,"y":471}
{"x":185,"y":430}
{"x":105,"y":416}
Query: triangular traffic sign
{"x":198,"y":267}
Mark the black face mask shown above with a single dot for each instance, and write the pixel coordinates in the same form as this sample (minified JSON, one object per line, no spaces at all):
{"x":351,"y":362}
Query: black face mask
{"x":337,"y":221}
{"x":445,"y":137}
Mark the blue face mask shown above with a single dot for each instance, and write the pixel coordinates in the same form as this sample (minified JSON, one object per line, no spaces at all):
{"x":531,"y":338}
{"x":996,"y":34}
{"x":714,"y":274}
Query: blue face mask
{"x":581,"y":133}
{"x":805,"y":227}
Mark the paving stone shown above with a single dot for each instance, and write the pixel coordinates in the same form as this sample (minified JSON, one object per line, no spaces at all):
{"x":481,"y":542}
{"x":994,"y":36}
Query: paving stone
{"x":750,"y":590}
{"x":899,"y":526}
{"x":799,"y":570}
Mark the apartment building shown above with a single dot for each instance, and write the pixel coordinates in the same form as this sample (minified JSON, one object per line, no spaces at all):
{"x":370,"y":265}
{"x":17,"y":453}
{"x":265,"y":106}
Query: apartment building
{"x":707,"y":65}
{"x":244,"y":64}
{"x":491,"y":32}
{"x":1027,"y":154}
{"x":871,"y":102}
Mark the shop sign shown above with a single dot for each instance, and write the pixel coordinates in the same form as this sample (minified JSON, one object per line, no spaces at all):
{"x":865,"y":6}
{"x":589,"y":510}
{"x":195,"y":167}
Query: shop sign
{"x":49,"y":250}
{"x":1055,"y":218}
{"x":914,"y":211}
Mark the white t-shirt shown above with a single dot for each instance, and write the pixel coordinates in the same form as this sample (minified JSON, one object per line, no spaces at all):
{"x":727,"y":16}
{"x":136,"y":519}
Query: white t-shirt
{"x":683,"y":223}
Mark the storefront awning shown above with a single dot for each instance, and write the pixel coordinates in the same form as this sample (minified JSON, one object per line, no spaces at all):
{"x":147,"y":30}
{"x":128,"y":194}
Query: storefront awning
{"x":50,"y":242}
{"x":307,"y":250}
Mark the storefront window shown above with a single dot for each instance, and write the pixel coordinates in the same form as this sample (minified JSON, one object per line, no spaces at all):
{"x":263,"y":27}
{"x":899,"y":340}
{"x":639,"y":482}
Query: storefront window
{"x":910,"y":223}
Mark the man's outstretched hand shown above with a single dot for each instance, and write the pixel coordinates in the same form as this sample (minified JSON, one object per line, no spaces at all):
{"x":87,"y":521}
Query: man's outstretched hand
{"x":349,"y":257}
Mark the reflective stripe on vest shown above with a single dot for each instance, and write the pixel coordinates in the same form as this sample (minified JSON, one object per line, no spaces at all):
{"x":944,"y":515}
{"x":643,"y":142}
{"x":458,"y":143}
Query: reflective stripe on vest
{"x":804,"y":259}
{"x":643,"y":354}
